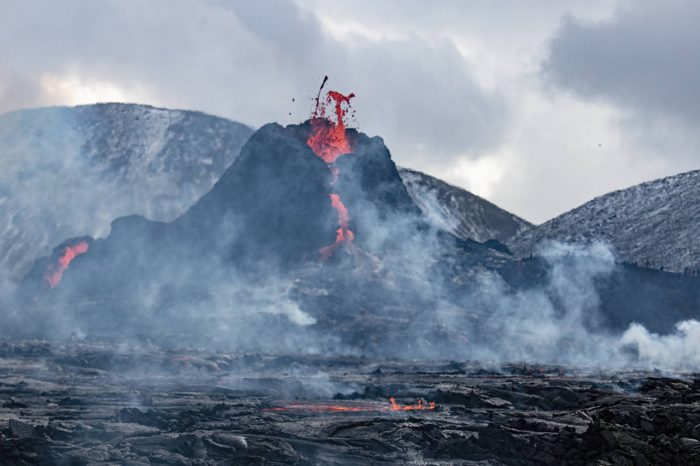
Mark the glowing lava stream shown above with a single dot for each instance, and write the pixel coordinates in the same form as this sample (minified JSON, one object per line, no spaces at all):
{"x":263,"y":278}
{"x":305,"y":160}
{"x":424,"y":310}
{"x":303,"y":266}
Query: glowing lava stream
{"x":330,"y":408}
{"x":329,"y":141}
{"x":55,"y":271}
{"x":395,"y":407}
{"x":343,"y":233}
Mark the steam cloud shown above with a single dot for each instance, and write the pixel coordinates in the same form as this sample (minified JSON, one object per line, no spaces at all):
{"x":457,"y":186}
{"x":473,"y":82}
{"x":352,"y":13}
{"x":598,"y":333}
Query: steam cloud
{"x":398,"y":260}
{"x":558,"y":323}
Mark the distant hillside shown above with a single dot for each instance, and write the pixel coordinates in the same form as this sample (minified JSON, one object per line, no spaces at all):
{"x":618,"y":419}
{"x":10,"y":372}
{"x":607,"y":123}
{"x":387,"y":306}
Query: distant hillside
{"x":71,"y":171}
{"x":460,"y":212}
{"x":655,"y":221}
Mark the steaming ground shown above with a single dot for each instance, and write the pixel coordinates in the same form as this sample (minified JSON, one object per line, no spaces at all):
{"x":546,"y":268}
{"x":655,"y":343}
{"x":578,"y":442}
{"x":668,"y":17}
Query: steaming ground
{"x":307,"y":312}
{"x":559,"y":323}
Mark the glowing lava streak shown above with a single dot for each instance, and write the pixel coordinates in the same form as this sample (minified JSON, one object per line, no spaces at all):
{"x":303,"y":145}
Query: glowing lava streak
{"x":343,"y":233}
{"x":329,"y":141}
{"x":55,"y":272}
{"x":395,"y":407}
{"x":362,"y":407}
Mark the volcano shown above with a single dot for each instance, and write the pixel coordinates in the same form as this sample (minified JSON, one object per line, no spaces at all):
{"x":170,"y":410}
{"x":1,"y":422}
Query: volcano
{"x":302,"y":242}
{"x":274,"y":211}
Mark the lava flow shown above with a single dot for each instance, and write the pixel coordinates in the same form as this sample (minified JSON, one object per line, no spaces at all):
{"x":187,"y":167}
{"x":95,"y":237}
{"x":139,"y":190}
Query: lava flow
{"x":343,"y":233}
{"x":55,"y":271}
{"x":367,"y":407}
{"x":395,"y":407}
{"x":329,"y":141}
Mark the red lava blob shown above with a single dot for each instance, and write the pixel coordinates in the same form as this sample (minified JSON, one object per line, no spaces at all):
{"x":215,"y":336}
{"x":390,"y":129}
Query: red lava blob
{"x":329,"y":141}
{"x":55,"y":271}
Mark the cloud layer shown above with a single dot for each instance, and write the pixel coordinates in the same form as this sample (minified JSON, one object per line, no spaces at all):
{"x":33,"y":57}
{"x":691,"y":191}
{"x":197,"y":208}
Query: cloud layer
{"x":538,"y":107}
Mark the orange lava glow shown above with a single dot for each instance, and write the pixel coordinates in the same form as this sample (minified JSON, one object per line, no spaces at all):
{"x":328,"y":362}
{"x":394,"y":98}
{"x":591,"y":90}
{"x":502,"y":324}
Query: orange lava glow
{"x":329,"y":141}
{"x":55,"y":271}
{"x":395,"y":407}
{"x":367,"y":407}
{"x":343,"y":233}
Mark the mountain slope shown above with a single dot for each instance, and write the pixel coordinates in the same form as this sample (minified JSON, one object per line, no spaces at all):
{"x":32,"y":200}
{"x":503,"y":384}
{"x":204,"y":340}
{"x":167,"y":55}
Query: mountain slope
{"x":71,"y":171}
{"x":264,"y":225}
{"x":460,"y":212}
{"x":654,"y":221}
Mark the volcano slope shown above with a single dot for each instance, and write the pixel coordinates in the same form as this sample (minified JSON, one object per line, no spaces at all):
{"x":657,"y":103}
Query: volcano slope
{"x":257,"y":233}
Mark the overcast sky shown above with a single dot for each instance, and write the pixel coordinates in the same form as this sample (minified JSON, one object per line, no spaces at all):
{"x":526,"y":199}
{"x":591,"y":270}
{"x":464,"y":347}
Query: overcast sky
{"x":538,"y":106}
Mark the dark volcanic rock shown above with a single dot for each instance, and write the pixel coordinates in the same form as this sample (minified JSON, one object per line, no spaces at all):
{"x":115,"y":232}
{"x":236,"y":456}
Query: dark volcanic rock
{"x":245,"y":415}
{"x":368,"y":177}
{"x":272,"y":204}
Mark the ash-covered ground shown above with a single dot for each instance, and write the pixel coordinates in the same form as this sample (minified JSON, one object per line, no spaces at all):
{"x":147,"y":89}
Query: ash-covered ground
{"x":81,"y":403}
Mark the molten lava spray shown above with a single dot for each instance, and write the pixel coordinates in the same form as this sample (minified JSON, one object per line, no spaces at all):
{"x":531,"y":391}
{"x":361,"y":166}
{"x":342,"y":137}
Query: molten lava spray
{"x":55,"y":271}
{"x":329,"y":141}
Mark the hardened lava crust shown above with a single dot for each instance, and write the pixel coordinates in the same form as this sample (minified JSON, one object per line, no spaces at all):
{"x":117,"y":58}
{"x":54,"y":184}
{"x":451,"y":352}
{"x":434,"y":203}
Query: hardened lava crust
{"x":87,"y":403}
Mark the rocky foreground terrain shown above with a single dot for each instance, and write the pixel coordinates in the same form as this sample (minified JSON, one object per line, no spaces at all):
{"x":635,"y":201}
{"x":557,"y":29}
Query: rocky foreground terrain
{"x":81,"y":403}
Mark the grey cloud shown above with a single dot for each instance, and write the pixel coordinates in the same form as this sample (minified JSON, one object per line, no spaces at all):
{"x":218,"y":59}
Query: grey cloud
{"x":421,"y":97}
{"x":645,"y":59}
{"x":429,"y":103}
{"x":18,"y":91}
{"x":246,"y":61}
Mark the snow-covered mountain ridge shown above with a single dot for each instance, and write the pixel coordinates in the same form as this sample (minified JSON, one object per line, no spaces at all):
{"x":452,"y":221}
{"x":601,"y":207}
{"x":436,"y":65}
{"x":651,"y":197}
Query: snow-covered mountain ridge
{"x":460,"y":212}
{"x":656,"y":221}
